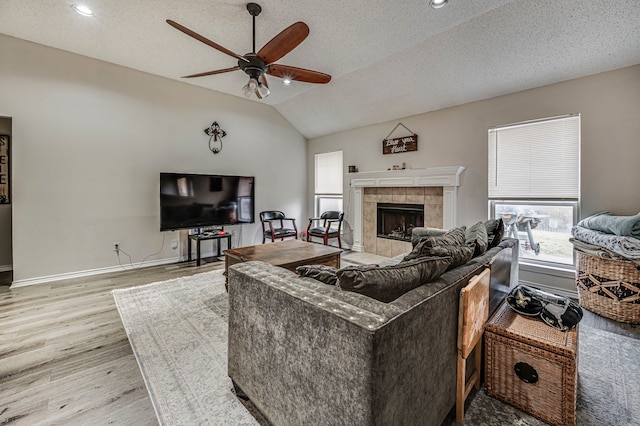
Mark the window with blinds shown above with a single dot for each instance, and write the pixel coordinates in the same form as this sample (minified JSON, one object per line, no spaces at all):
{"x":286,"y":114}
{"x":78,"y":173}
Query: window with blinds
{"x":534,"y":185}
{"x":537,"y":160}
{"x":328,"y":182}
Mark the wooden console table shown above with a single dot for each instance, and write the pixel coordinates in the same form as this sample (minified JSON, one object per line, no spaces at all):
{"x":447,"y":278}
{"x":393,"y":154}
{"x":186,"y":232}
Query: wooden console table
{"x":287,"y":254}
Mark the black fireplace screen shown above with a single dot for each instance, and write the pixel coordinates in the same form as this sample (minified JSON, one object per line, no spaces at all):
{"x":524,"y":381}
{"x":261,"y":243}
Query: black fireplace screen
{"x":396,"y":221}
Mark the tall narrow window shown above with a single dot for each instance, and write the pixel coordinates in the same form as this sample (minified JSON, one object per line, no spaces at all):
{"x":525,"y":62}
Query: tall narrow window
{"x":328,"y":182}
{"x":534,"y":185}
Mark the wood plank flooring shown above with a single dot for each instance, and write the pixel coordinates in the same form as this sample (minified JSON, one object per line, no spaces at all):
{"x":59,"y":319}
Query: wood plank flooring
{"x":65,"y":358}
{"x":64,"y":355}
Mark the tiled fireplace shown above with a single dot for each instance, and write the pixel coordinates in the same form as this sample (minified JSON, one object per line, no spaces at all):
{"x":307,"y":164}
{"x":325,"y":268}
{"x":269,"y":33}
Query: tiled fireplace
{"x":423,"y":194}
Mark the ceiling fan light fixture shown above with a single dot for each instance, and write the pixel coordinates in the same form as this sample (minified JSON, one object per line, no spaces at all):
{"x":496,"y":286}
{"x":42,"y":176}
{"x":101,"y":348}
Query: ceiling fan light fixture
{"x":249,"y":88}
{"x":82,"y":10}
{"x":263,"y":91}
{"x":437,"y":4}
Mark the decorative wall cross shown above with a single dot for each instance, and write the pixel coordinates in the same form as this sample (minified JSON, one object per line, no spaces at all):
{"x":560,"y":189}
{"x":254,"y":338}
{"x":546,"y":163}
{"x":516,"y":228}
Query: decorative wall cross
{"x":215,"y":137}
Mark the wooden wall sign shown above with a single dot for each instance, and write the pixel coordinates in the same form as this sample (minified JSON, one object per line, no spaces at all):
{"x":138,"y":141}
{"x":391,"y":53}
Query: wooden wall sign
{"x":401,"y":144}
{"x":4,"y":169}
{"x":396,"y":145}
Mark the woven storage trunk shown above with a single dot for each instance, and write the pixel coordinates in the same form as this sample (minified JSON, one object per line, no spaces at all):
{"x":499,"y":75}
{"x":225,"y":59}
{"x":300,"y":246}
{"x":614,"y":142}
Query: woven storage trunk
{"x":610,"y":288}
{"x":532,"y":366}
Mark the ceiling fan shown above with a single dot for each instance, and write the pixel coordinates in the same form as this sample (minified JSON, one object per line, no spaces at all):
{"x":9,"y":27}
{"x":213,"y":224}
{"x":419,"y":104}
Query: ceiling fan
{"x":256,"y":65}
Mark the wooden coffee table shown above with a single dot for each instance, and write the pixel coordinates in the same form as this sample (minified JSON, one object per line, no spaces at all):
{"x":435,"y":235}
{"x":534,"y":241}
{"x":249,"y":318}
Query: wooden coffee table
{"x":287,"y":254}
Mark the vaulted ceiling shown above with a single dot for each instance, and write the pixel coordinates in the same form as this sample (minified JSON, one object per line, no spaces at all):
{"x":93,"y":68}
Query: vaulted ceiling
{"x":388,"y":59}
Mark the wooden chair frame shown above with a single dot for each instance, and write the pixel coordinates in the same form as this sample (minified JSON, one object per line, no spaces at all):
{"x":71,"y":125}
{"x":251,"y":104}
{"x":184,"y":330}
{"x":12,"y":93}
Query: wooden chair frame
{"x":268,"y":217}
{"x":327,"y":218}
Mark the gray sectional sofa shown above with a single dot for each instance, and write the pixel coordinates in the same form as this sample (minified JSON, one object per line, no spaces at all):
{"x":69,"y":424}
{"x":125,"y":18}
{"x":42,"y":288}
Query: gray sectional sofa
{"x":308,"y":353}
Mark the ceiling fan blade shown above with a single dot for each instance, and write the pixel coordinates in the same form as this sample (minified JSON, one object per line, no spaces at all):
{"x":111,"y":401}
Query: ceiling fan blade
{"x":205,"y":40}
{"x":298,"y":74}
{"x":283,"y":43}
{"x":202,"y":74}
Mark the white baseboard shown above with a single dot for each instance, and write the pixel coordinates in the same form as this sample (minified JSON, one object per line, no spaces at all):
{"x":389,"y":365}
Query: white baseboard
{"x":6,"y":268}
{"x":90,"y":272}
{"x":573,"y":294}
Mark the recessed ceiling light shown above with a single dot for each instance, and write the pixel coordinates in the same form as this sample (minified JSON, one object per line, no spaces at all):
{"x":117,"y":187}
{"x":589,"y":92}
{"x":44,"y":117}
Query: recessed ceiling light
{"x":437,"y":4}
{"x":82,"y":10}
{"x":286,"y":81}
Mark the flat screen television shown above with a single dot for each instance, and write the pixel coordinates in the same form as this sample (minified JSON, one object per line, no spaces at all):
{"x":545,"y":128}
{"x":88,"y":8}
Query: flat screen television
{"x":194,"y":200}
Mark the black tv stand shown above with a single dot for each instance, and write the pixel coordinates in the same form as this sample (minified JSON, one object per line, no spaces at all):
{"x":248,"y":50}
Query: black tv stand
{"x":212,"y":235}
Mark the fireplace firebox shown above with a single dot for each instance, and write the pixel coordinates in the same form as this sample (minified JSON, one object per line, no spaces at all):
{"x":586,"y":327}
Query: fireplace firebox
{"x":396,"y":221}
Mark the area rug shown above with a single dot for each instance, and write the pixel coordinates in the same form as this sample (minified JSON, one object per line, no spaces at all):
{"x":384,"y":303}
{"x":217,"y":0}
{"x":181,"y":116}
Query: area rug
{"x":178,"y":332}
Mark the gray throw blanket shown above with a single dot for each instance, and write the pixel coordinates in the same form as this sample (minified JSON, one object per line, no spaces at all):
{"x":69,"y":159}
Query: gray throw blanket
{"x":623,"y":226}
{"x":627,"y":247}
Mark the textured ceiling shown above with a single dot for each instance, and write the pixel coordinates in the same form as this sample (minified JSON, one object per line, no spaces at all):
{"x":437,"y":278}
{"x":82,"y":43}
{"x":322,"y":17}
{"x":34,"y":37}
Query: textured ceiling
{"x":388,"y":59}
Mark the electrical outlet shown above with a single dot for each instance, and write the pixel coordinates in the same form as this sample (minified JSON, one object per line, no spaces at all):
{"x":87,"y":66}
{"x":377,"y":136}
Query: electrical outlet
{"x":174,"y":244}
{"x":116,"y":247}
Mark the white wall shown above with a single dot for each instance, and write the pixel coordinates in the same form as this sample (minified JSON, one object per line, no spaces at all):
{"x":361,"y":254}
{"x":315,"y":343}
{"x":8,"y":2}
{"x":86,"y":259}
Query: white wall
{"x":609,"y":104}
{"x":89,"y":141}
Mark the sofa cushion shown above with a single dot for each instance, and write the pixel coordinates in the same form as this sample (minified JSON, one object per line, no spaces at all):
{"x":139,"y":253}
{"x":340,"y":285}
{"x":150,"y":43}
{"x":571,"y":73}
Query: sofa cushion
{"x":459,"y":254}
{"x":495,"y":231}
{"x":387,"y":283}
{"x":419,"y":232}
{"x":476,"y":237}
{"x":455,"y":236}
{"x":323,"y":273}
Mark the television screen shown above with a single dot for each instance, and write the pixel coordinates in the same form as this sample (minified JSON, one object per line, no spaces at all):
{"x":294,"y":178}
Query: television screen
{"x":194,"y":201}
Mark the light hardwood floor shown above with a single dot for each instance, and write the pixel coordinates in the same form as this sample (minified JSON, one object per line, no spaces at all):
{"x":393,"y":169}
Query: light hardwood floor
{"x":65,"y":357}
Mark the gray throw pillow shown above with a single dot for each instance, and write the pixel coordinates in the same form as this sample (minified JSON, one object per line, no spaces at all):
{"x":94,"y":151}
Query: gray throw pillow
{"x":418,"y":233}
{"x":323,"y":273}
{"x":476,"y":237}
{"x":387,"y":283}
{"x":455,"y":236}
{"x":495,"y":231}
{"x":459,"y":254}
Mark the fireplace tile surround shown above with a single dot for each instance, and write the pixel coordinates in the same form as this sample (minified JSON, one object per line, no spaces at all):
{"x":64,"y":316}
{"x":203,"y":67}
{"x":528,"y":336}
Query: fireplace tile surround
{"x":430,"y":197}
{"x":435,"y":188}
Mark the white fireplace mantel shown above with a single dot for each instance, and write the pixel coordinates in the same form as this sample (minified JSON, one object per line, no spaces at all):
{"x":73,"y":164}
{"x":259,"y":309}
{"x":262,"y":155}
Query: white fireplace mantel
{"x":446,"y":177}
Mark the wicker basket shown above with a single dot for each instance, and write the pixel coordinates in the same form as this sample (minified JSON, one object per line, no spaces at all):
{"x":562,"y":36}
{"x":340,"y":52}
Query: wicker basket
{"x":514,"y":342}
{"x":610,"y":288}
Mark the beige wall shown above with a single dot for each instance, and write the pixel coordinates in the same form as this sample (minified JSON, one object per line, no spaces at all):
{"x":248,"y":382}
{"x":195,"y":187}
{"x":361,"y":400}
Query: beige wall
{"x":5,"y":214}
{"x":90,"y":139}
{"x":609,"y":104}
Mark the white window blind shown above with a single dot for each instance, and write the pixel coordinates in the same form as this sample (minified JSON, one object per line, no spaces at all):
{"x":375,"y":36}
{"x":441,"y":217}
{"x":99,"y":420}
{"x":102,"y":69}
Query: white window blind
{"x":538,"y":159}
{"x":329,"y":173}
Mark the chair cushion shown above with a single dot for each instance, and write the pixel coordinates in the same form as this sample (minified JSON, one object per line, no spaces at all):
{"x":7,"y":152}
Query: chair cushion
{"x":321,"y":231}
{"x":387,"y":283}
{"x":323,"y":273}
